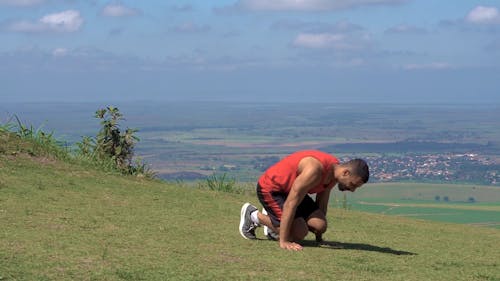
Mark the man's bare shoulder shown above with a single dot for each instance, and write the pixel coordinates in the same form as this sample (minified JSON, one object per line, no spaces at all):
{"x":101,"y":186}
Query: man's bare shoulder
{"x":311,"y":165}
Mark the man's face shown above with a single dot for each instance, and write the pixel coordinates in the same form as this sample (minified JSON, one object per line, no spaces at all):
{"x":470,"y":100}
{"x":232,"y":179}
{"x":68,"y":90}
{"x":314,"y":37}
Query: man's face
{"x":349,"y":183}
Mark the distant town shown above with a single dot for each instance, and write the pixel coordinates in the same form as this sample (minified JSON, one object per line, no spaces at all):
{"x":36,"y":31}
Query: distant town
{"x":453,"y":168}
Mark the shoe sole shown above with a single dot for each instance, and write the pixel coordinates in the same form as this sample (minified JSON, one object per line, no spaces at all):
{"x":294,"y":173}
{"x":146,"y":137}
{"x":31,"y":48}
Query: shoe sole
{"x":242,"y":219}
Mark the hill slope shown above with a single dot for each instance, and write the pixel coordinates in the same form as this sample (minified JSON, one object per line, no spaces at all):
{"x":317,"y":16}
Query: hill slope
{"x":62,"y":221}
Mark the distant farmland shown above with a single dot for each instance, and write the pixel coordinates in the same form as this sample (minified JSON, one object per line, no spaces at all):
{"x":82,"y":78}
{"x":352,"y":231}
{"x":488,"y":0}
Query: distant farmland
{"x":466,"y":204}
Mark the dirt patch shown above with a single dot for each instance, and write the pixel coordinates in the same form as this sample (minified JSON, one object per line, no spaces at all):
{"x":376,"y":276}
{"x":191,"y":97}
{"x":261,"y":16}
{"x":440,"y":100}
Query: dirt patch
{"x":44,"y":160}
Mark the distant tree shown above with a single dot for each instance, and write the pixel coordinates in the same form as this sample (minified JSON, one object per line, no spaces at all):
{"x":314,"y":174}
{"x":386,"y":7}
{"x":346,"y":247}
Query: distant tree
{"x":471,"y":200}
{"x":437,"y":198}
{"x":446,"y":199}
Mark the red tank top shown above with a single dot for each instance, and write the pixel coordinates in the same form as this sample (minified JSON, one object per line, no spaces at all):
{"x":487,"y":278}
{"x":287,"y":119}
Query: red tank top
{"x":280,"y":176}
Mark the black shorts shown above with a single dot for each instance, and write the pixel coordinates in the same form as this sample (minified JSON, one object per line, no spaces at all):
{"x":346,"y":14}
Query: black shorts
{"x":273,"y":203}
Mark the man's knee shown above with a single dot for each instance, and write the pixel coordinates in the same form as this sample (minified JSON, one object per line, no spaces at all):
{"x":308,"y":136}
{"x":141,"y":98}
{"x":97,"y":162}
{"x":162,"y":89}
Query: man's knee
{"x":317,"y":222}
{"x":318,"y":227}
{"x":299,"y":229}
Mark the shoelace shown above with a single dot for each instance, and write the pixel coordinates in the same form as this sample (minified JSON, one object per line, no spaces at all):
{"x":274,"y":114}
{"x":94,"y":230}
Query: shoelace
{"x":252,"y":227}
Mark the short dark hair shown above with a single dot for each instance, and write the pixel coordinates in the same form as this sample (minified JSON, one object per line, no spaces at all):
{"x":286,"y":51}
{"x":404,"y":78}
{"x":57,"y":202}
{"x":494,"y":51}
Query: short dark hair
{"x":359,"y":168}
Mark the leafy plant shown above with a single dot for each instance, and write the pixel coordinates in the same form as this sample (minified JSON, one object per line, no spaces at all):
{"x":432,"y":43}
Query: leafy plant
{"x":111,"y":142}
{"x":221,"y":183}
{"x":112,"y":147}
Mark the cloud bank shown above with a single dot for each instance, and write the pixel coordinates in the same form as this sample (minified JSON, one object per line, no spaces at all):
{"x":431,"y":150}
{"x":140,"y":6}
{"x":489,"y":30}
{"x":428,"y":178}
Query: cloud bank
{"x":319,"y":40}
{"x":483,"y":15}
{"x":65,"y":21}
{"x":190,"y":27}
{"x":305,"y":5}
{"x":428,"y":66}
{"x":119,"y":10}
{"x":405,"y":29}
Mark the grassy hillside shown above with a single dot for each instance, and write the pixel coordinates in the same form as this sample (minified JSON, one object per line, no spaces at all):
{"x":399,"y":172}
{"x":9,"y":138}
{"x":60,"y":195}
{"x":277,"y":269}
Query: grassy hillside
{"x":65,"y":221}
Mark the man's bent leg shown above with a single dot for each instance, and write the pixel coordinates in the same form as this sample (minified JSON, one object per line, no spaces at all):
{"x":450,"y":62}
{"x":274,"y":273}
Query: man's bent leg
{"x":316,"y":222}
{"x":299,"y":229}
{"x":273,"y":204}
{"x":270,"y":232}
{"x":266,"y":220}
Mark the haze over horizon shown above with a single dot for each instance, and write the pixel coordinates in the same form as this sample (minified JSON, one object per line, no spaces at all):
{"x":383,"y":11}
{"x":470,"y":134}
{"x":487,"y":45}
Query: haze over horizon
{"x":398,"y":51}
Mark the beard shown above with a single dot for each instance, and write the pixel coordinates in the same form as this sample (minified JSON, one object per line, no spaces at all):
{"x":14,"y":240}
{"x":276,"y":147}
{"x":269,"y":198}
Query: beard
{"x":342,"y":187}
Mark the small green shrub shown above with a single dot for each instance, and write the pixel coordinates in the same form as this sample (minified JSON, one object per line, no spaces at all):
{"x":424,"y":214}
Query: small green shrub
{"x":112,"y":148}
{"x":223,"y":184}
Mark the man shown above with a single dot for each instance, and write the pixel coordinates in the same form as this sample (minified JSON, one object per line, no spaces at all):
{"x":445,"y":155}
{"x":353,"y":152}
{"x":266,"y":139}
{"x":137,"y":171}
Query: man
{"x":289,"y":212}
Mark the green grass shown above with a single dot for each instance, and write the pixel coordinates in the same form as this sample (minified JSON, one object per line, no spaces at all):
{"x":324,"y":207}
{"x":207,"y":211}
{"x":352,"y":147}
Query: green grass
{"x":65,"y":221}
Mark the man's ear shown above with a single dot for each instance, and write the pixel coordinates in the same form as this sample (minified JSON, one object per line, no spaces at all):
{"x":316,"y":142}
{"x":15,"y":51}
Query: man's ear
{"x":346,"y":172}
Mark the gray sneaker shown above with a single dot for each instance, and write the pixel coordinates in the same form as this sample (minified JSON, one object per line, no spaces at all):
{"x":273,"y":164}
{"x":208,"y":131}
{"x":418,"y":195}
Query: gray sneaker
{"x":271,"y":235}
{"x":247,"y":226}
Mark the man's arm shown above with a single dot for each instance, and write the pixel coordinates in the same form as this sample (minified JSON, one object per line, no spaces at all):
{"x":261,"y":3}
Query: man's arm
{"x":310,"y":174}
{"x":322,"y":201}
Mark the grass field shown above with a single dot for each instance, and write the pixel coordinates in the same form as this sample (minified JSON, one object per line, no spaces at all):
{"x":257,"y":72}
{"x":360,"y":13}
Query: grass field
{"x":456,"y":213}
{"x":416,"y":200}
{"x":423,"y":192}
{"x":63,"y":221}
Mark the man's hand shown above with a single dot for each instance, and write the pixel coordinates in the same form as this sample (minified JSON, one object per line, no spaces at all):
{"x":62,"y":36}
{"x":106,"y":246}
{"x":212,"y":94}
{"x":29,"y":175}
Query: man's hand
{"x":290,"y":246}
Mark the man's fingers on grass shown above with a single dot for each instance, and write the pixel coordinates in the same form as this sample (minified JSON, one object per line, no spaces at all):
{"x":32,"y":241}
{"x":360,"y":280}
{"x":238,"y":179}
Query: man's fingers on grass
{"x":291,"y":246}
{"x":295,"y":247}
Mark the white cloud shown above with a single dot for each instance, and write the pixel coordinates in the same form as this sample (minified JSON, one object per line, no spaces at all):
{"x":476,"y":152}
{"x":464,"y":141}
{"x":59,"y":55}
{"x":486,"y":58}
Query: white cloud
{"x":277,"y":5}
{"x":342,"y":42}
{"x":59,"y":52}
{"x":306,"y":5}
{"x":431,"y":66}
{"x":318,"y":40}
{"x":119,"y":10}
{"x":483,"y":15}
{"x":21,"y":3}
{"x":189,"y":27}
{"x":316,"y":27}
{"x":66,"y":21}
{"x":182,"y":8}
{"x":404,"y":28}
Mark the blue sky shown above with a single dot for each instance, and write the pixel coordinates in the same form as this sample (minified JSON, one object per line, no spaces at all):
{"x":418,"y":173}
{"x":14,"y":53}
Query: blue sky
{"x":422,"y":51}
